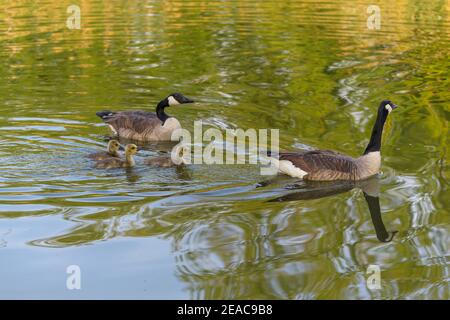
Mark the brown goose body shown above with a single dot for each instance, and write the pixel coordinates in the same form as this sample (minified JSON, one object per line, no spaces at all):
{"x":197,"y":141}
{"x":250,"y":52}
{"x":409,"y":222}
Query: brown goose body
{"x":142,"y":125}
{"x":112,"y":151}
{"x":112,"y":162}
{"x":326,"y":165}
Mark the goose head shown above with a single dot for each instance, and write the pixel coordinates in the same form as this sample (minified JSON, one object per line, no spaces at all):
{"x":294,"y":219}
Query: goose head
{"x":173,"y":100}
{"x":386,"y":107}
{"x":113,"y":146}
{"x":131,"y":149}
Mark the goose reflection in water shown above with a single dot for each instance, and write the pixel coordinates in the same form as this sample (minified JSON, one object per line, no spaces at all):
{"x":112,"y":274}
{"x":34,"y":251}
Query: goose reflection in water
{"x":308,"y":190}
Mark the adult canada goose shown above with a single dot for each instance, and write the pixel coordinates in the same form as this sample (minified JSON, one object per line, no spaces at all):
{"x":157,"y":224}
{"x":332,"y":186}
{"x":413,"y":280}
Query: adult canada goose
{"x":168,"y":161}
{"x":112,"y":151}
{"x":145,"y":126}
{"x":130,"y":150}
{"x":326,"y":165}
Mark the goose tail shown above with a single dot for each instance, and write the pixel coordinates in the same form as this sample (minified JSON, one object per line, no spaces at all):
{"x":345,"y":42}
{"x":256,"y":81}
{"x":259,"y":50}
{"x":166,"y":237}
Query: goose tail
{"x":284,"y":166}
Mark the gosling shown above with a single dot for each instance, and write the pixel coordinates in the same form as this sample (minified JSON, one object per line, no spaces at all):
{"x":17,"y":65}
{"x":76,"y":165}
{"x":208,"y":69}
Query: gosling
{"x":109,"y":163}
{"x":162,"y":162}
{"x":112,"y":151}
{"x":168,"y":161}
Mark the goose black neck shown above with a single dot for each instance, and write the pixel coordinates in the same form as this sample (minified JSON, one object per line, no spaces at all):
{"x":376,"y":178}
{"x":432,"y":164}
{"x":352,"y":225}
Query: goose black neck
{"x":377,"y":132}
{"x":160,"y":111}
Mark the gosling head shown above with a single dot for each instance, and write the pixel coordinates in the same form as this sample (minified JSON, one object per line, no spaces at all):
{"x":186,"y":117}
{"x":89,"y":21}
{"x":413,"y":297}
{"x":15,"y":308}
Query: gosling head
{"x":174,"y":99}
{"x":131,"y":149}
{"x":113,"y":146}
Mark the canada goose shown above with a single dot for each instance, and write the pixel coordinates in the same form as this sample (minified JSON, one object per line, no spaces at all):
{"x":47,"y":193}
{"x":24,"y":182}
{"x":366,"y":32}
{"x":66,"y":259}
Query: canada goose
{"x":112,"y":151}
{"x":326,"y":165}
{"x":145,"y":126}
{"x":168,"y":161}
{"x":130,"y":150}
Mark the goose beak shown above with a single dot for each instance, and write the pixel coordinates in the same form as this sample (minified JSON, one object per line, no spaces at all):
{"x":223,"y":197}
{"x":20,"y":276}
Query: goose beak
{"x":186,"y":100}
{"x":394,"y":106}
{"x":121,"y":148}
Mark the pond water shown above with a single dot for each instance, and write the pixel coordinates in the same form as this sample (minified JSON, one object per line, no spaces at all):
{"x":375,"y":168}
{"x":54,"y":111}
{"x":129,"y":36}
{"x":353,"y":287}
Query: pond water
{"x":313,"y":69}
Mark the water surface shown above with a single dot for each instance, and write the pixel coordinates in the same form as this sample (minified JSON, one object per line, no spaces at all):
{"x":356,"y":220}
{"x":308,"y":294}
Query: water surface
{"x":312,"y":69}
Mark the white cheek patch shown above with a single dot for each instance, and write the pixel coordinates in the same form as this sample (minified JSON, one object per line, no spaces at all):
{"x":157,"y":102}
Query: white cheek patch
{"x":388,"y":108}
{"x":172,"y":101}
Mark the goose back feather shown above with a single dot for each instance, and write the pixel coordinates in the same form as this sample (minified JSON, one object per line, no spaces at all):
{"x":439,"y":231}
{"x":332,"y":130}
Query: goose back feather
{"x":140,"y":125}
{"x":323,"y":165}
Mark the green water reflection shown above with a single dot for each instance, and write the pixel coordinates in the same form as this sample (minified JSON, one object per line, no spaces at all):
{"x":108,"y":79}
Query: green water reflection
{"x":310,"y":68}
